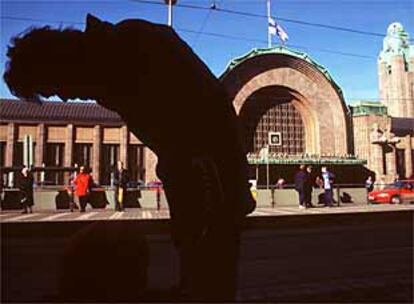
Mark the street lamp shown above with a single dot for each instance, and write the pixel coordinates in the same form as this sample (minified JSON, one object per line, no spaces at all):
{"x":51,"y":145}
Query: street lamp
{"x":170,"y":3}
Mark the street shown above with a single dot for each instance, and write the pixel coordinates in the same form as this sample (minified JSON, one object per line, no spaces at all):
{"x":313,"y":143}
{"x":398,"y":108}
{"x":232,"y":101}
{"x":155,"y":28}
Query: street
{"x":345,"y":254}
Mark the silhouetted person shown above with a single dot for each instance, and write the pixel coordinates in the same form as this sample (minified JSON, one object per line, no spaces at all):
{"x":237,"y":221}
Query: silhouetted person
{"x":300,"y":178}
{"x":26,"y":190}
{"x":182,"y":113}
{"x":369,"y":184}
{"x":308,"y":186}
{"x":121,"y":179}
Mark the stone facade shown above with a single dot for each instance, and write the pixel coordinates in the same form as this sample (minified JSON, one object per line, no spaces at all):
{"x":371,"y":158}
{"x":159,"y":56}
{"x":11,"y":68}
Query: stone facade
{"x":310,"y":88}
{"x":95,"y":135}
{"x":384,"y":131}
{"x":396,"y":72}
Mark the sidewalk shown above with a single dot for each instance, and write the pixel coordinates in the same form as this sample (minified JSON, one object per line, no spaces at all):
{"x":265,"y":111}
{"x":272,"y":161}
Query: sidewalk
{"x":152,"y":214}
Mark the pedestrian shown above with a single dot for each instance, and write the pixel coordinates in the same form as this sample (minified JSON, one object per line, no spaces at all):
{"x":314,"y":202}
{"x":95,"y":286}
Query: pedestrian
{"x":71,"y":190}
{"x":369,"y":184}
{"x":280,"y":184}
{"x":83,"y":183}
{"x":398,"y":182}
{"x":328,"y":179}
{"x":26,"y":190}
{"x":308,"y":187}
{"x":300,"y":178}
{"x":121,"y":180}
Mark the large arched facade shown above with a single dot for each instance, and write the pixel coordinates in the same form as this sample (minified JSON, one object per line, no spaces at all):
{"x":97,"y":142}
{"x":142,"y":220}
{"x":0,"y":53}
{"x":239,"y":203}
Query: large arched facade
{"x":284,"y":91}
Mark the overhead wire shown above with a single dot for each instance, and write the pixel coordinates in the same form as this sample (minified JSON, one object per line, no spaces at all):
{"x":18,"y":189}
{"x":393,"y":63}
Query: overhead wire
{"x":255,"y":15}
{"x":197,"y":32}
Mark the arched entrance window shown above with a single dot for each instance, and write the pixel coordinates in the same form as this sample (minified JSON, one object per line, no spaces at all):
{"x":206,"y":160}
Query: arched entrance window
{"x":267,"y":112}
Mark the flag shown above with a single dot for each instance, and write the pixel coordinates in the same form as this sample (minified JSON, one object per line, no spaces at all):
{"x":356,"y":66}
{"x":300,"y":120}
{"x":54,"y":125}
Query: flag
{"x":276,"y":29}
{"x":281,"y":33}
{"x":272,"y":26}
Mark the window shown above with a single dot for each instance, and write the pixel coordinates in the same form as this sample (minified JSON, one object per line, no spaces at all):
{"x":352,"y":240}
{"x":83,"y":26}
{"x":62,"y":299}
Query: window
{"x":136,"y":162}
{"x":54,"y":160}
{"x":82,"y":155}
{"x":284,"y":123}
{"x":18,"y":154}
{"x":109,"y":158}
{"x":2,"y":154}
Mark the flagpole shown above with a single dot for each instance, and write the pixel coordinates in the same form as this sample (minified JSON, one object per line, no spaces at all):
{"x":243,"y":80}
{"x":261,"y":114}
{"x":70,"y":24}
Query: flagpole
{"x":170,"y":13}
{"x":269,"y":35}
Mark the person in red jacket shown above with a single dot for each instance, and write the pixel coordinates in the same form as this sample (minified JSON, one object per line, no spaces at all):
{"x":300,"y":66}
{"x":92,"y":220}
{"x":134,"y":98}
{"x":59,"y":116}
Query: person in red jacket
{"x":83,"y":183}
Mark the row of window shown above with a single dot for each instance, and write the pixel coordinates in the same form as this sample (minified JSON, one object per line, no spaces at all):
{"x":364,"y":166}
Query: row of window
{"x":82,"y":156}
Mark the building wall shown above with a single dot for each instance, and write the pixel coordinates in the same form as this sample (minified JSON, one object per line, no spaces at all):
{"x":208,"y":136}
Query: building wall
{"x":396,"y":86}
{"x":69,"y":135}
{"x":314,"y":95}
{"x":396,"y":91}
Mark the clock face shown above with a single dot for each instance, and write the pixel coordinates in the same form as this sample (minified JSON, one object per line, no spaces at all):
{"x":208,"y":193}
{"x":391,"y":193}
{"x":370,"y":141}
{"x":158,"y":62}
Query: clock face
{"x":275,"y":138}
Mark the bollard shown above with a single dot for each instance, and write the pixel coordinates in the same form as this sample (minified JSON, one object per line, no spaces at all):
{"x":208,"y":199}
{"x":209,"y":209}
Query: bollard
{"x":338,"y":193}
{"x":272,"y":194}
{"x":158,"y":198}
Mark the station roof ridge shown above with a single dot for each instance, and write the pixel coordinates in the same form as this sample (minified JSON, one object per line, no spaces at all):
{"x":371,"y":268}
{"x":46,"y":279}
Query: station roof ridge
{"x":56,"y":111}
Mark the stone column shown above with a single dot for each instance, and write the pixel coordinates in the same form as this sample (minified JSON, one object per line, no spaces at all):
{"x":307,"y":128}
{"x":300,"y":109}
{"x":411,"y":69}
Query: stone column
{"x":96,"y":152}
{"x":68,"y":155}
{"x":390,"y":159}
{"x":375,"y":162}
{"x":40,"y":144}
{"x":409,"y":170}
{"x":150,"y":165}
{"x":11,"y":138}
{"x":123,"y":147}
{"x":40,"y":150}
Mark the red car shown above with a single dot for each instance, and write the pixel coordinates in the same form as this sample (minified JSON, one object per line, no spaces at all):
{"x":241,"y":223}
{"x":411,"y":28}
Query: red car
{"x":397,"y":193}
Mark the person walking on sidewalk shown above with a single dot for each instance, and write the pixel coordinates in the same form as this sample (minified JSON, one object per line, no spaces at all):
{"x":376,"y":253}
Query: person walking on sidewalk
{"x":328,"y":179}
{"x":83,"y":184}
{"x":26,"y":190}
{"x":300,"y":178}
{"x":121,"y":180}
{"x":308,"y":187}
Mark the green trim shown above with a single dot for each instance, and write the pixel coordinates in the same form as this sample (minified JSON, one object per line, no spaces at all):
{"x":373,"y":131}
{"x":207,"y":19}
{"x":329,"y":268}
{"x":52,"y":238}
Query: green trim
{"x":279,"y":50}
{"x":307,"y":161}
{"x":362,"y":108}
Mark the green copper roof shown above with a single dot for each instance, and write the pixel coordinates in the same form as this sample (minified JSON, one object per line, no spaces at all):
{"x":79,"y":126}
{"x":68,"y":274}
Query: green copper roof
{"x":396,"y":43}
{"x":368,"y":108}
{"x":280,"y":50}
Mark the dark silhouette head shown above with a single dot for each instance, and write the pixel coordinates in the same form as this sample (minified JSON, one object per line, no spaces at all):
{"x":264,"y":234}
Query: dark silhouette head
{"x":45,"y":62}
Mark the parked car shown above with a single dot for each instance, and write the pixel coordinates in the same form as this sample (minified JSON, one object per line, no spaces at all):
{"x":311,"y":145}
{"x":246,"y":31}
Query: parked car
{"x":397,"y":193}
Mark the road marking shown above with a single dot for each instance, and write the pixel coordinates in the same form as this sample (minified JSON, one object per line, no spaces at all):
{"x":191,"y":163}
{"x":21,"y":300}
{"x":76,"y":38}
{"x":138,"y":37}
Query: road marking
{"x":116,"y":215}
{"x":255,"y":213}
{"x":86,"y":216}
{"x":53,"y":217}
{"x":21,"y":217}
{"x":146,"y":215}
{"x":288,"y":210}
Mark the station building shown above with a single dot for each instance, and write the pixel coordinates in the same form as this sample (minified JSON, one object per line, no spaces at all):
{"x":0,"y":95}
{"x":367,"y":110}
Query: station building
{"x":291,"y":110}
{"x":384,"y":131}
{"x":66,"y":135}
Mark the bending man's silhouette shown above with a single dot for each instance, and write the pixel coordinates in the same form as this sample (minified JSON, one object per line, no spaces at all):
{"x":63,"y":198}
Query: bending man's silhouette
{"x":171,"y":101}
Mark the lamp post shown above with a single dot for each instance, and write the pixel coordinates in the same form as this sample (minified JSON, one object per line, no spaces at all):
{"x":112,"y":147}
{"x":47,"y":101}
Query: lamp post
{"x":170,"y":4}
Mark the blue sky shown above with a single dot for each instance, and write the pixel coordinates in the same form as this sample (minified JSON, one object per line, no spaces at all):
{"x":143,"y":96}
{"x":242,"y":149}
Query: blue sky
{"x":356,"y":73}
